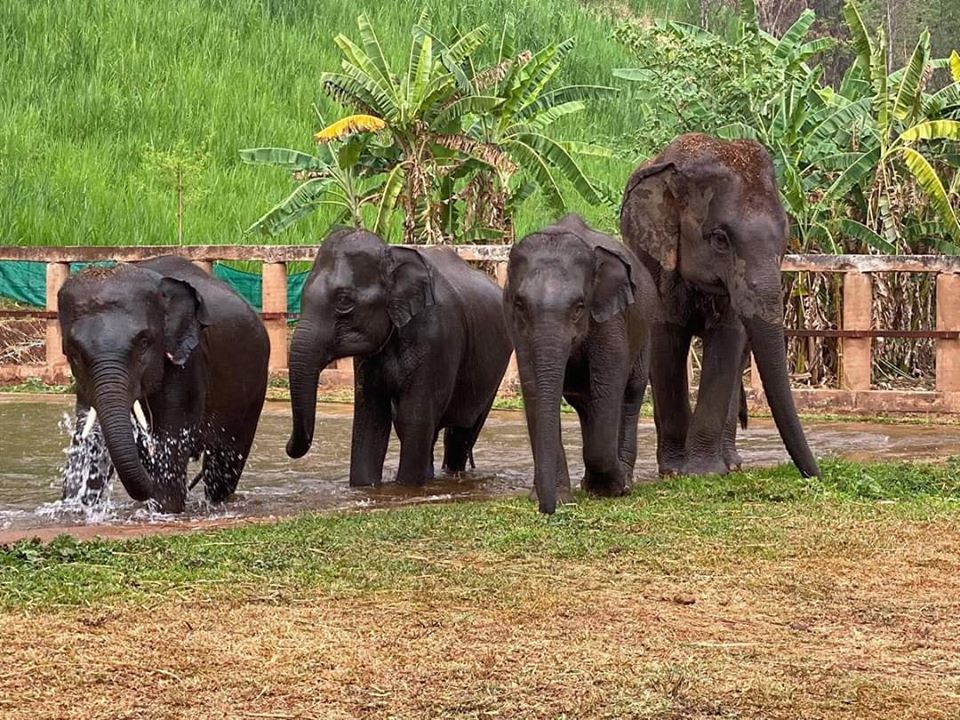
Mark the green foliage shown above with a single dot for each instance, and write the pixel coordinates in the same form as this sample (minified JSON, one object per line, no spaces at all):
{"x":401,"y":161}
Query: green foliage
{"x":464,"y":140}
{"x":176,"y":174}
{"x":867,"y":166}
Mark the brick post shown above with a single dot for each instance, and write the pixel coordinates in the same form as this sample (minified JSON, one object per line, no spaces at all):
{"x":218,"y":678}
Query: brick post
{"x":57,"y":274}
{"x":948,"y":318}
{"x":511,"y":378}
{"x":856,"y":361}
{"x":273,"y":300}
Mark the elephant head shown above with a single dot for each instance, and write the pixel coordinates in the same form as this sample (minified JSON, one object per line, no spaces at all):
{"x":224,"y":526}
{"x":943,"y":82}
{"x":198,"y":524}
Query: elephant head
{"x":706,"y":214}
{"x":558,"y":285}
{"x":122,"y":327}
{"x":359,"y":292}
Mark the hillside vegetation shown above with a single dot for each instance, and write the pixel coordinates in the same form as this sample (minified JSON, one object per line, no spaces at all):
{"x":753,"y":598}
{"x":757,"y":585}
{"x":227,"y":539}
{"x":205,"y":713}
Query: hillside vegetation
{"x":101,"y":102}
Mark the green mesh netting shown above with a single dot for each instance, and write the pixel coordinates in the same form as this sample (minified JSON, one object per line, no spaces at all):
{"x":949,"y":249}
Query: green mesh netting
{"x":25,"y":282}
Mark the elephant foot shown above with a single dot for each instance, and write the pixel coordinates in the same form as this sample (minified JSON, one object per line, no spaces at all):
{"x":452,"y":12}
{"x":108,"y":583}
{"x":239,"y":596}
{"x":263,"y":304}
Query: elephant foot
{"x":604,"y":486}
{"x":670,"y":458}
{"x":732,"y":459}
{"x":170,"y":503}
{"x":564,"y":495}
{"x":364,"y":481}
{"x":704,"y":465}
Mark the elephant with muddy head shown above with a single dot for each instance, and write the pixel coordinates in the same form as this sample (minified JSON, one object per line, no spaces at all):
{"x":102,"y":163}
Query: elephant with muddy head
{"x":705,"y":218}
{"x":181,"y":353}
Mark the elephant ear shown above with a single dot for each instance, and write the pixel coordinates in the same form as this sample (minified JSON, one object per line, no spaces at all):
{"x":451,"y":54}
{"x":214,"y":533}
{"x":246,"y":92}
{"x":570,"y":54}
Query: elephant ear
{"x":650,"y":214}
{"x":613,"y":284}
{"x":409,"y":283}
{"x":185,"y":315}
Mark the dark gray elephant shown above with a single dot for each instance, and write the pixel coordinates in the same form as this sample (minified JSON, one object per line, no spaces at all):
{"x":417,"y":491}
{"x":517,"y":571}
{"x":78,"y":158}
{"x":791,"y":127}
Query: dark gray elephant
{"x":579,"y":306}
{"x":705,"y":218}
{"x":181,"y":350}
{"x":429,"y":345}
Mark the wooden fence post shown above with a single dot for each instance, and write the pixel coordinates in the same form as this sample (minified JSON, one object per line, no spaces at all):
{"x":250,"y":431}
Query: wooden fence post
{"x":856,"y":362}
{"x":57,"y":274}
{"x":274,"y":300}
{"x":948,"y":318}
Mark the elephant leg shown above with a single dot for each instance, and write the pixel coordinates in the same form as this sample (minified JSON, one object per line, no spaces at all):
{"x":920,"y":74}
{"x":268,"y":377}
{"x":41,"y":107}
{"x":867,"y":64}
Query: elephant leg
{"x":720,"y":379}
{"x":371,"y":435}
{"x":601,"y":423}
{"x":417,"y":430}
{"x":458,"y":444}
{"x":630,"y":416}
{"x":670,"y":345}
{"x":222,"y":467}
{"x":165,"y":457}
{"x":737,"y":415}
{"x":225,"y":454}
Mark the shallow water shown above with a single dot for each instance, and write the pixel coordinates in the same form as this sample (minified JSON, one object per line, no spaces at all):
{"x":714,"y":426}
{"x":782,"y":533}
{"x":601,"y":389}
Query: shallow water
{"x":33,"y":440}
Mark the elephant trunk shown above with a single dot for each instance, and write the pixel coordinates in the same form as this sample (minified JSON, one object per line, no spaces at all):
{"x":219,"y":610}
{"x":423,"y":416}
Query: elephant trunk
{"x":309,"y":354}
{"x":767,"y":342}
{"x":111,"y":384}
{"x":550,"y":354}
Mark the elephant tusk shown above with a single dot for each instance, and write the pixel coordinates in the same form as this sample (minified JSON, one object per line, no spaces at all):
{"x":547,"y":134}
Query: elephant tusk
{"x":138,"y":413}
{"x":88,"y":425}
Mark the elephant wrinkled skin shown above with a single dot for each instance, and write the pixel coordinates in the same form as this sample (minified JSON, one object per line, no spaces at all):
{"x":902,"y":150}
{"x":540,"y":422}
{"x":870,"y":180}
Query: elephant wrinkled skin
{"x":579,"y":306}
{"x":427,"y":336}
{"x":705,"y":217}
{"x":166,"y":339}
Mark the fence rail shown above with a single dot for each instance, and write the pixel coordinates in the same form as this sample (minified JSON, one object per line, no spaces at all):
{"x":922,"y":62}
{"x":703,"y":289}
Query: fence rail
{"x":855,"y":334}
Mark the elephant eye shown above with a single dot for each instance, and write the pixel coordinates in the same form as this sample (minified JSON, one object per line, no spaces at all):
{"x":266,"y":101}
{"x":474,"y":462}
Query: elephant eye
{"x":720,"y":241}
{"x":577,"y":310}
{"x":344,"y":303}
{"x":144,"y":343}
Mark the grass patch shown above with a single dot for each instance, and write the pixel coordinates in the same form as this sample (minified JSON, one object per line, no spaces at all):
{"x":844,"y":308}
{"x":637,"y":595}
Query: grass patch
{"x":378,"y":550}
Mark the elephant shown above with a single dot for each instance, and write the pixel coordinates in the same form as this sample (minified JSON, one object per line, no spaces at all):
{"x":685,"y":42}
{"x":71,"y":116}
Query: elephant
{"x":579,"y":306}
{"x":429,"y":349}
{"x":187,"y":354}
{"x":705,"y":218}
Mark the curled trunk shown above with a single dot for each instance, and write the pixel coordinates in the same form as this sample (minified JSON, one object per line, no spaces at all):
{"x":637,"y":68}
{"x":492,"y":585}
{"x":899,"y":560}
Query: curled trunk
{"x":767,"y":342}
{"x":308,"y":356}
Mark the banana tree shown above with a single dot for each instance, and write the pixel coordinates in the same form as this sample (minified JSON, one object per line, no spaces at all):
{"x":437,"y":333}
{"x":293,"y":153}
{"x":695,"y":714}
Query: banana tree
{"x":347,"y":174}
{"x":469,"y":134}
{"x":904,"y":138}
{"x":520,"y":131}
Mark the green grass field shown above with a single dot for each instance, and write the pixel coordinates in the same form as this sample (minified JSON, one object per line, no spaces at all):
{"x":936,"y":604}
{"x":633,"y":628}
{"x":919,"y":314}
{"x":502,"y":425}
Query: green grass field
{"x":93,"y":89}
{"x":758,"y":595}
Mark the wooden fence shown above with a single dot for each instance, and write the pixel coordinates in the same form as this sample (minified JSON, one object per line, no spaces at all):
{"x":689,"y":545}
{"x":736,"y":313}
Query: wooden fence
{"x":854,"y":394}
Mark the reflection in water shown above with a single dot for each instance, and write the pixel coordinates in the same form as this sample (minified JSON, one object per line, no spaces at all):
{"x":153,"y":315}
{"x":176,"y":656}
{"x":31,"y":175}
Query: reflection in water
{"x":33,"y":441}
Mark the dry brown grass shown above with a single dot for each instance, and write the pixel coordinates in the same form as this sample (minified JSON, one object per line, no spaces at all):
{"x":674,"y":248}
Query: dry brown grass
{"x":862,"y":620}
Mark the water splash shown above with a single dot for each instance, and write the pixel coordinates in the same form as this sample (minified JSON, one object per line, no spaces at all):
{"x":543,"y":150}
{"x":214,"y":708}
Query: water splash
{"x":85,"y":474}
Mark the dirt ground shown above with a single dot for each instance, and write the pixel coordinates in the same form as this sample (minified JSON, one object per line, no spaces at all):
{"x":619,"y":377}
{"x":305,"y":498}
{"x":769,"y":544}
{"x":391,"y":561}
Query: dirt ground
{"x":824,"y":634}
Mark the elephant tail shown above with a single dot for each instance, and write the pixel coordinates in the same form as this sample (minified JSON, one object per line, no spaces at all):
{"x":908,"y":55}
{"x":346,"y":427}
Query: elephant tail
{"x":742,"y":414}
{"x":473,"y":465}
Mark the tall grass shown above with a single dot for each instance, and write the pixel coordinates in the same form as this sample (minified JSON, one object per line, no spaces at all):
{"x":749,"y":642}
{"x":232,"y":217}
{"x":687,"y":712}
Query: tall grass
{"x":93,"y":90}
